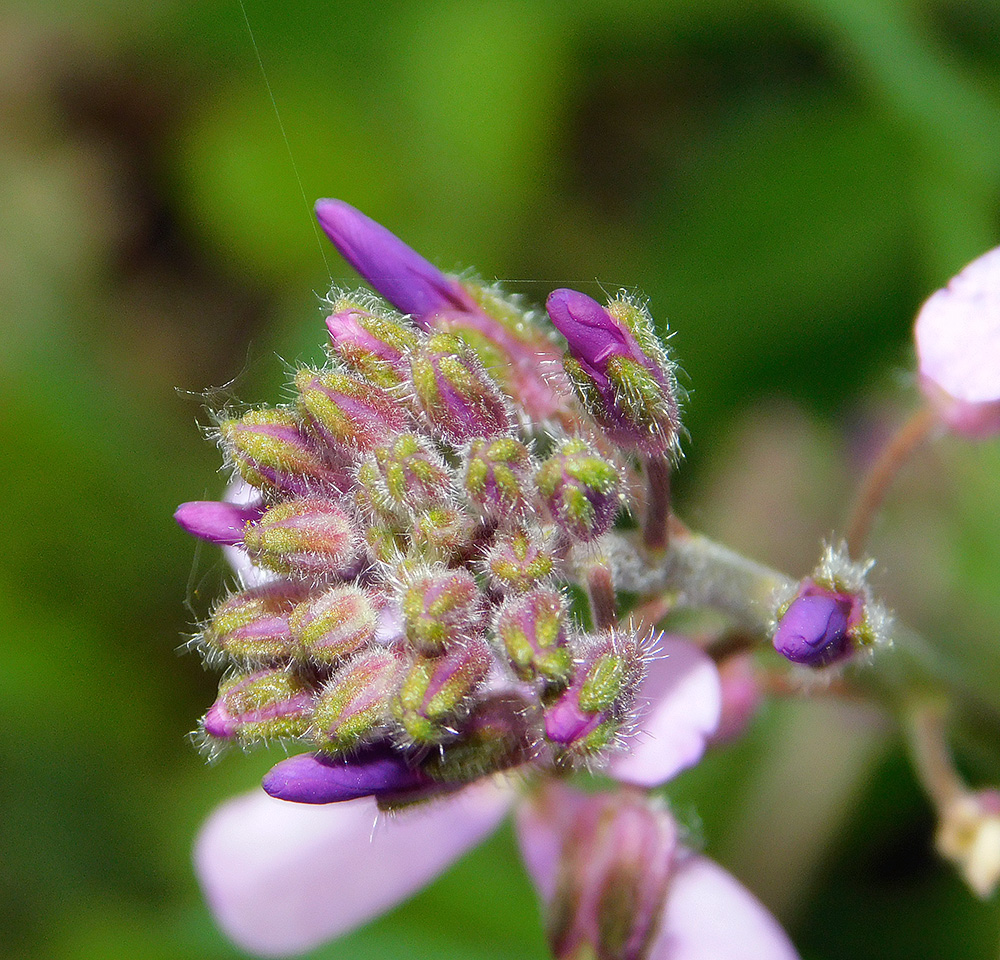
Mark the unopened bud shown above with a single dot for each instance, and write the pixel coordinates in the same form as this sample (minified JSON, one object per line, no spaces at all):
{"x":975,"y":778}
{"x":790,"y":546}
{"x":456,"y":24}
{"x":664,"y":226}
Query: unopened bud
{"x":533,"y":632}
{"x":444,"y":532}
{"x":407,"y":476}
{"x":458,"y":398}
{"x":308,"y":536}
{"x":620,"y":371}
{"x":596,"y":706}
{"x":334,"y":624}
{"x":518,"y":560}
{"x":252,"y":625}
{"x":441,"y":606}
{"x":370,"y":343}
{"x":354,"y":705}
{"x":346,"y":411}
{"x":498,"y":477}
{"x":580,"y":489}
{"x":435,"y":690}
{"x":263,"y":705}
{"x":271,"y":451}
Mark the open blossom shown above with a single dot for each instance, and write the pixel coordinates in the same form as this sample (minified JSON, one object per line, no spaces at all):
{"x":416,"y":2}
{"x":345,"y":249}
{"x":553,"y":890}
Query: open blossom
{"x":405,"y":534}
{"x":958,"y":347}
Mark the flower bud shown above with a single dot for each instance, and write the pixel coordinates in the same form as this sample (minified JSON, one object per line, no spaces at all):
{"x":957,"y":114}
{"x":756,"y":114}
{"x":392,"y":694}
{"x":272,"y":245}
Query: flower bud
{"x":407,"y":476}
{"x":354,"y":705}
{"x":532,"y":629}
{"x":958,"y":347}
{"x":458,"y":398}
{"x":498,"y":477}
{"x":375,"y":771}
{"x":263,"y":705}
{"x":969,"y":836}
{"x":495,"y":736}
{"x":593,"y":710}
{"x":580,"y":489}
{"x":346,"y":411}
{"x":217,"y":521}
{"x":271,"y":451}
{"x":617,"y":856}
{"x":620,"y":371}
{"x":518,"y":560}
{"x":371,"y":344}
{"x":436,"y":689}
{"x":334,"y":624}
{"x":252,"y":625}
{"x":308,"y":536}
{"x":445,"y":532}
{"x":441,"y":607}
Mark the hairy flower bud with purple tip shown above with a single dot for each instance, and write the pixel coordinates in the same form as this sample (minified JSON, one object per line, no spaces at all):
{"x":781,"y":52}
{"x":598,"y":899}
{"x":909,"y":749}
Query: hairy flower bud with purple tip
{"x":334,"y":624}
{"x":271,"y":451}
{"x":252,"y":626}
{"x":347,"y":411}
{"x":436,"y":689}
{"x":407,"y":476}
{"x":621,"y":372}
{"x":354,"y":705}
{"x":593,"y":710}
{"x":580,"y":489}
{"x":263,"y":705}
{"x":457,"y":397}
{"x":371,"y":343}
{"x":309,"y":536}
{"x":441,"y":606}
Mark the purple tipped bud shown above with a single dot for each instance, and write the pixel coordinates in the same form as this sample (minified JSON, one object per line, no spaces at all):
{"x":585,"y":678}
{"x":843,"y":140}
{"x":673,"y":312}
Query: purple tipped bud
{"x":334,"y":624}
{"x":315,"y":778}
{"x":593,"y":710}
{"x":436,"y":690}
{"x":309,"y":537}
{"x":815,"y":628}
{"x":617,"y":857}
{"x":253,"y":625}
{"x":440,"y":607}
{"x":413,"y":285}
{"x":354,"y":705}
{"x":458,"y":398}
{"x":371,"y":344}
{"x":407,"y":476}
{"x":271,"y":451}
{"x":498,"y":477}
{"x":532,"y":630}
{"x":217,"y":521}
{"x":620,"y":370}
{"x":518,"y":561}
{"x":348,"y":412}
{"x":264,"y":705}
{"x":580,"y":489}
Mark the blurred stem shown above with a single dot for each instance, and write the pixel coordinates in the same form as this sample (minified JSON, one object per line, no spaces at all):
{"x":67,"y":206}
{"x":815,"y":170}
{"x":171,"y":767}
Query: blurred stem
{"x":924,"y":725}
{"x":656,"y":524}
{"x":883,"y":471}
{"x":603,"y":601}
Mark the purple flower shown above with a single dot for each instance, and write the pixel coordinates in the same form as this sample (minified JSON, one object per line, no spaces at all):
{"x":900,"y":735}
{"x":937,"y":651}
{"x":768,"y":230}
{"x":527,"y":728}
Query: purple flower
{"x":958,"y":347}
{"x":284,"y":877}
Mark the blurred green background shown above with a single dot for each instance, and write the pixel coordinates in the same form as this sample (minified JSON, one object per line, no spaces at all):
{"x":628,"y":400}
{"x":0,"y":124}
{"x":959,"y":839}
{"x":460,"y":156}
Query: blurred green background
{"x":785,"y":180}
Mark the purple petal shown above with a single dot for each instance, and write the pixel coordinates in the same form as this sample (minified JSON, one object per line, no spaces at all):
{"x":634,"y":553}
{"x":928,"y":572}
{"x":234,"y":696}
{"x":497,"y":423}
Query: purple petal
{"x":282,"y":878}
{"x":241,"y":494}
{"x":958,"y":346}
{"x":217,"y":521}
{"x":410,"y":283}
{"x":685,"y":698}
{"x":709,"y":915}
{"x":591,"y":332}
{"x":813,"y":630}
{"x":314,"y":778}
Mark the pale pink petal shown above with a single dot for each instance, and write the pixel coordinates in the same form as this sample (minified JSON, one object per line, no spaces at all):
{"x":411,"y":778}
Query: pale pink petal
{"x":250,"y":575}
{"x":284,"y":877}
{"x":958,"y":346}
{"x":540,"y":825}
{"x":684,"y":704}
{"x":710,"y":916}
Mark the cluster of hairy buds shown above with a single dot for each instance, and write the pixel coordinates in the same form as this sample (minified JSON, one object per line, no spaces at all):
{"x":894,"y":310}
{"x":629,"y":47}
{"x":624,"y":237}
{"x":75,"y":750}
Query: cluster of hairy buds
{"x":413,"y":518}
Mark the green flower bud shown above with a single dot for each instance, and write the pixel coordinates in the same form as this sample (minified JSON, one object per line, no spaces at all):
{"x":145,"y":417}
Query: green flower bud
{"x":441,"y":607}
{"x":334,"y":624}
{"x":252,"y":625}
{"x":263,"y":705}
{"x":580,"y":489}
{"x":532,"y":629}
{"x":498,"y":477}
{"x":518,"y":561}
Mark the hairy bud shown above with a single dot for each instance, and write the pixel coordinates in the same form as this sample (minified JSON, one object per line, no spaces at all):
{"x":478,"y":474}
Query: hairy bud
{"x":263,"y":705}
{"x":532,"y":629}
{"x":580,"y":489}
{"x":371,"y":344}
{"x":498,"y":477}
{"x":252,"y":625}
{"x":518,"y":560}
{"x":441,"y":606}
{"x":334,"y":624}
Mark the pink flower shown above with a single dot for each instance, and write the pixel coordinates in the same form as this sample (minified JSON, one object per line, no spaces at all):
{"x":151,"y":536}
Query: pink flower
{"x":958,"y":346}
{"x":283,"y":877}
